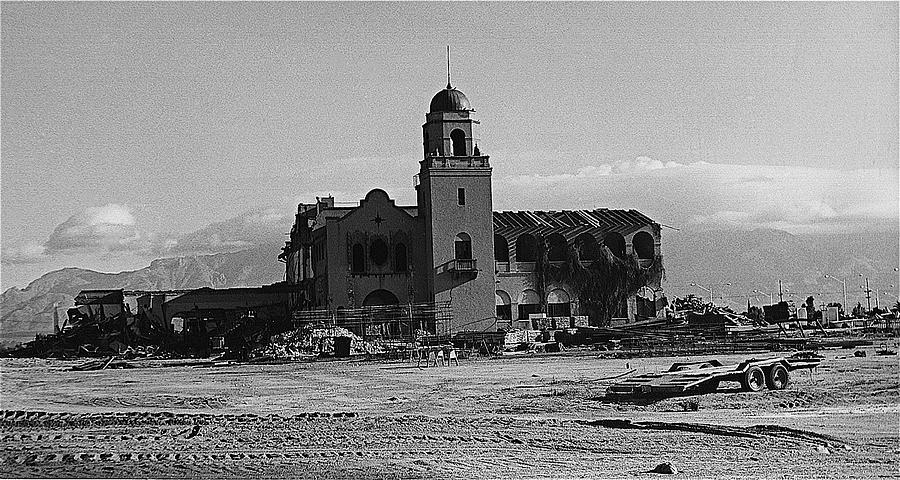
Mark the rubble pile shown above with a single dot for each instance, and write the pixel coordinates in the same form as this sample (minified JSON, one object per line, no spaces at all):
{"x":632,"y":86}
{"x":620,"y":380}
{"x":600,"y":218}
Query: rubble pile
{"x":311,"y":341}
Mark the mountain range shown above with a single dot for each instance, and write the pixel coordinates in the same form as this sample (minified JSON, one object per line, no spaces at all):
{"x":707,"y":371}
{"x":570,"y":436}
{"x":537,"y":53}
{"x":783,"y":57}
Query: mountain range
{"x":730,"y":263}
{"x":25,"y":312}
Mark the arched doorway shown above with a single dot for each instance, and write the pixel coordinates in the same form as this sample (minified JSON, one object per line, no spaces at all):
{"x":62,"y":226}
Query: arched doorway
{"x":526,"y":248}
{"x":529,"y":302}
{"x":501,"y":249}
{"x":587,"y":247}
{"x":380,"y":297}
{"x":642,"y":242}
{"x":615,"y":242}
{"x":458,"y":138}
{"x":463,"y":246}
{"x":558,"y":303}
{"x":504,"y":305}
{"x":556,"y":248}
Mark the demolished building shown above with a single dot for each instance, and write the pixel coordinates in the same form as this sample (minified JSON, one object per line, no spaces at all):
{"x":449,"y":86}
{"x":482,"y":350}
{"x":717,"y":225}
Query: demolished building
{"x":493,"y":269}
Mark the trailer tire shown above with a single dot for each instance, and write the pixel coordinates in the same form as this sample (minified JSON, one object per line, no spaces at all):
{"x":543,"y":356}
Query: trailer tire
{"x":753,"y":380}
{"x":777,"y":378}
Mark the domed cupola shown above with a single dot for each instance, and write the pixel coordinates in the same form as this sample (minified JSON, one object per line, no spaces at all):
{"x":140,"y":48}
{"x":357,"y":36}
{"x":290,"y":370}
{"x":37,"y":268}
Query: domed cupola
{"x":450,"y":100}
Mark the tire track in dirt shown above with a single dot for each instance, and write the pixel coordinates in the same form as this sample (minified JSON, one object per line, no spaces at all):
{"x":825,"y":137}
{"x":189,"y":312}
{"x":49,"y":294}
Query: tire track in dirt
{"x":754,"y":431}
{"x":344,"y":444}
{"x":317,"y":441}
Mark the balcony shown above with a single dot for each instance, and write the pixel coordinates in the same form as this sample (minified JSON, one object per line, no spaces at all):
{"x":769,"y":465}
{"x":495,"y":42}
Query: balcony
{"x":455,"y":162}
{"x":525,"y":266}
{"x":462,"y":265}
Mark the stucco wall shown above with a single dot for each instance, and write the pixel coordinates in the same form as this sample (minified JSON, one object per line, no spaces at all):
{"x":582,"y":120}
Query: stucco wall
{"x":471,"y":296}
{"x":376,"y":218}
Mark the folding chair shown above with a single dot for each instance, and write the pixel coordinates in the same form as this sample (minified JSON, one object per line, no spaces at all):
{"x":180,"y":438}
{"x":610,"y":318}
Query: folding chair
{"x":453,"y":357}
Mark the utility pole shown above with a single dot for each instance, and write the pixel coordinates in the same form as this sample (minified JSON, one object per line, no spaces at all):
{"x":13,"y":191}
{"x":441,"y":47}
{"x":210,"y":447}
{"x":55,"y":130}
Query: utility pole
{"x":843,"y":288}
{"x":868,"y":296}
{"x":780,"y":292}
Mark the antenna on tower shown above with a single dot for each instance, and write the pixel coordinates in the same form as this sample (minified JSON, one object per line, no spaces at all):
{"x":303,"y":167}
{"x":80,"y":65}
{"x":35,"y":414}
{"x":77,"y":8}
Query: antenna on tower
{"x":448,"y":68}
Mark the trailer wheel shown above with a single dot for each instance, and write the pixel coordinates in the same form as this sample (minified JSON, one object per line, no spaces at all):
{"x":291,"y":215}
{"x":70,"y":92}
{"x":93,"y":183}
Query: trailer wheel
{"x":753,"y":380}
{"x":777,"y":378}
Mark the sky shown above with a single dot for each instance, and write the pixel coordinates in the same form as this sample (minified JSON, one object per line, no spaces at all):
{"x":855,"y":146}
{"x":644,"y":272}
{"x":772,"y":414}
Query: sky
{"x":131,"y":131}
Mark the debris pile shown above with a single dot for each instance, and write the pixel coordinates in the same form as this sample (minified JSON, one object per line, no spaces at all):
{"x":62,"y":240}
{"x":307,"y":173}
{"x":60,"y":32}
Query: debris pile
{"x":310,"y":341}
{"x":100,"y":324}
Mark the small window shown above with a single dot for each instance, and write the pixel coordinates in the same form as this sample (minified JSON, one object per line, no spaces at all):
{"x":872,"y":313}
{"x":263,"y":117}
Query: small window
{"x":358,"y":260}
{"x":461,"y":196}
{"x":400,"y":263}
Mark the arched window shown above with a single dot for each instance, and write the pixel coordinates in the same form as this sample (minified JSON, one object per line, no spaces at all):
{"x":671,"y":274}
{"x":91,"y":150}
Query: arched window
{"x":615,"y":242}
{"x":358,"y":262}
{"x":501,"y":249}
{"x":526,"y":248}
{"x":400,"y":263}
{"x":558,"y":303}
{"x":504,"y":305}
{"x":529,"y":302}
{"x":378,"y":252}
{"x":587,"y":247}
{"x":463,"y":246}
{"x":556,"y":248}
{"x":643,"y":245}
{"x":458,"y":138}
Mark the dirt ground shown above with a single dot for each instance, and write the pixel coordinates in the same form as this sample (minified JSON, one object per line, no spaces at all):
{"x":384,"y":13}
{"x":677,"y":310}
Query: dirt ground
{"x":538,"y":416}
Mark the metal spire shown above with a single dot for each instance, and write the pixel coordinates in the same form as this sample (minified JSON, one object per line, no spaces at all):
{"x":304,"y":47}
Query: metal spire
{"x":448,"y":68}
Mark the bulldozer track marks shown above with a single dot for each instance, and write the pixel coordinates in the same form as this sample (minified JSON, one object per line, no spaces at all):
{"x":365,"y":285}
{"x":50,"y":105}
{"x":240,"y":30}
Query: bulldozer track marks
{"x":46,"y":441}
{"x":754,"y":431}
{"x":348,"y":445}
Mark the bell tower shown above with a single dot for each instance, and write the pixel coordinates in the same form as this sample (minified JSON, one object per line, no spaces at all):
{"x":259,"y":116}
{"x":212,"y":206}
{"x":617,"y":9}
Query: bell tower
{"x":454,"y":200}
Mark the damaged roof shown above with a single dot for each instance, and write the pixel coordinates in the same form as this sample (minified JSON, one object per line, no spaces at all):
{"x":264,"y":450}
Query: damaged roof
{"x":572,"y":222}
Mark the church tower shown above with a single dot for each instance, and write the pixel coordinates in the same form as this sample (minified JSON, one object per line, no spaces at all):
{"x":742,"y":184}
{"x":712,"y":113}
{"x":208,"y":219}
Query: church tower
{"x":454,"y":200}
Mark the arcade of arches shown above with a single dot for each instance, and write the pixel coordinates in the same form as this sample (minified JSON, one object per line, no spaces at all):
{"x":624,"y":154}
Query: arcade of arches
{"x":526,"y":247}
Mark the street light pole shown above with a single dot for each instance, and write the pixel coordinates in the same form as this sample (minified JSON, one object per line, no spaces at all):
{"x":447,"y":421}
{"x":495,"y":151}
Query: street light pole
{"x":843,"y":287}
{"x":712,"y":297}
{"x":764,"y":293}
{"x":722,"y":295}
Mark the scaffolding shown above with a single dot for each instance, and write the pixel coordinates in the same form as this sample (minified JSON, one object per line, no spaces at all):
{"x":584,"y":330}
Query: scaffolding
{"x":403,"y":323}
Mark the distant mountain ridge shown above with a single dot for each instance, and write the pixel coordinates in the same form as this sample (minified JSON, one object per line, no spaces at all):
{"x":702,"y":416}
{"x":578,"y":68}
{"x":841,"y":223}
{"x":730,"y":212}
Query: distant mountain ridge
{"x":758,"y":259}
{"x":749,"y":260}
{"x":25,"y":312}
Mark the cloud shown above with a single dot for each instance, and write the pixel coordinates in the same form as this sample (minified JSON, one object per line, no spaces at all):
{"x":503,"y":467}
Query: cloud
{"x":109,"y":228}
{"x":643,"y":164}
{"x":253,"y":228}
{"x":624,"y":167}
{"x":29,"y":253}
{"x":715,"y":195}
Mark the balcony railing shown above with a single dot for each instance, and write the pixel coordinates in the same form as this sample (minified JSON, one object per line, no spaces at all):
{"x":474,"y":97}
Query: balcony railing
{"x":462,"y":265}
{"x":452,"y":162}
{"x":501,"y":266}
{"x":525,"y":266}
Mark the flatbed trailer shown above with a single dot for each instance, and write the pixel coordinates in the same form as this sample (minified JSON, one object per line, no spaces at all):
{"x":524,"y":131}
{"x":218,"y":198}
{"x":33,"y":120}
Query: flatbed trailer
{"x":691,"y":378}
